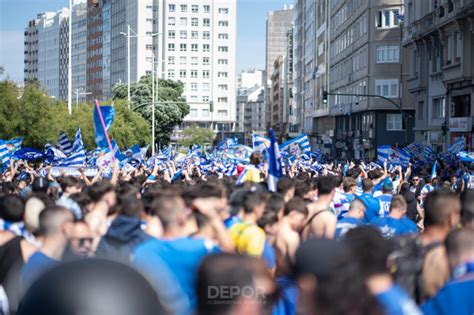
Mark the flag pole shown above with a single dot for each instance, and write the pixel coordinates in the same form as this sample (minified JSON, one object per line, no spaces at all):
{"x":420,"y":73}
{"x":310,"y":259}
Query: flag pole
{"x":104,"y":128}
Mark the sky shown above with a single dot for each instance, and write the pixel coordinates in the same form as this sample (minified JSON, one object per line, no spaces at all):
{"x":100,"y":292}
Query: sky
{"x":14,"y":15}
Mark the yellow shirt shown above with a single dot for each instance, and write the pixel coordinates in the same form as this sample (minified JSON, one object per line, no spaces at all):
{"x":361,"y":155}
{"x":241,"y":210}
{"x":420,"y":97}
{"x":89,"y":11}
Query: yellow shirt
{"x":247,"y":238}
{"x":252,"y":174}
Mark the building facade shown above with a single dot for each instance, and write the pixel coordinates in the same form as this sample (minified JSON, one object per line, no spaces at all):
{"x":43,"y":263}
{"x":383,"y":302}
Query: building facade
{"x":439,"y":37}
{"x":251,"y":111}
{"x":94,"y":49}
{"x":31,"y":49}
{"x":366,"y":59}
{"x":79,"y":51}
{"x":250,"y":78}
{"x":277,"y":27}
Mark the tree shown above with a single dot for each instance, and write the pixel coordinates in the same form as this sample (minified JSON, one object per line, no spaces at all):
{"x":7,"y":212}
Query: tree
{"x":195,"y":135}
{"x":170,"y":109}
{"x":39,"y":119}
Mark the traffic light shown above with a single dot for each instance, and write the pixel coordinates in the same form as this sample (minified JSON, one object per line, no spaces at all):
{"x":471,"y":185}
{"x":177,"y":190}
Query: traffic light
{"x":325,"y":97}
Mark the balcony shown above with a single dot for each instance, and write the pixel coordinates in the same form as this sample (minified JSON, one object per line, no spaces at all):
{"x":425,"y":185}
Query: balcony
{"x":420,"y":28}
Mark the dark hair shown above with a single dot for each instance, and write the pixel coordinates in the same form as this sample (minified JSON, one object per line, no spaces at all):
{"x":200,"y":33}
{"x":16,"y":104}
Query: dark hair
{"x":206,"y":191}
{"x":251,"y":201}
{"x":256,"y":158}
{"x":459,"y":242}
{"x":467,"y":201}
{"x":369,"y":250}
{"x":131,"y":207}
{"x":348,"y":183}
{"x":367,"y":184}
{"x":12,"y":208}
{"x":436,"y":208}
{"x":284,"y":184}
{"x":275,"y":203}
{"x":326,"y":184}
{"x":99,"y":189}
{"x":405,"y":187}
{"x":40,"y":184}
{"x":69,"y":181}
{"x":268,"y":218}
{"x":296,"y":204}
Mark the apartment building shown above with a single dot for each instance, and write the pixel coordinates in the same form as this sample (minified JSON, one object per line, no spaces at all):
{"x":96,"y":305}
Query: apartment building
{"x":251,"y":111}
{"x":366,"y":58}
{"x":439,"y":37}
{"x":31,"y":49}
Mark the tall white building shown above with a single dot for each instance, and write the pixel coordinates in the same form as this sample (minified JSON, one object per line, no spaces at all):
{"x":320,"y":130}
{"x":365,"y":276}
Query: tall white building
{"x":197,"y":47}
{"x":49,"y":50}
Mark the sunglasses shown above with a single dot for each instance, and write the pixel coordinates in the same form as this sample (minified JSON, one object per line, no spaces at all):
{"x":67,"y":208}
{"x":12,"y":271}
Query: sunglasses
{"x":416,"y":180}
{"x":83,"y":240}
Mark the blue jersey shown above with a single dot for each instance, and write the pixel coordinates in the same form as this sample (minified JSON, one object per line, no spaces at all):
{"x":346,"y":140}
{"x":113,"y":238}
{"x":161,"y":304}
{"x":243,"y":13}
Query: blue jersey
{"x":395,"y":301}
{"x":345,"y":204}
{"x":385,"y":201}
{"x":346,"y":224}
{"x":268,"y":255}
{"x":390,"y":227}
{"x":454,"y":298}
{"x":373,"y":207}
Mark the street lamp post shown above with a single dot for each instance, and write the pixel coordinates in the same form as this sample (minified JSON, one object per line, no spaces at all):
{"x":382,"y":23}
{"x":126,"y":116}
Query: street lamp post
{"x":69,"y":66}
{"x":128,"y":36}
{"x":80,"y":93}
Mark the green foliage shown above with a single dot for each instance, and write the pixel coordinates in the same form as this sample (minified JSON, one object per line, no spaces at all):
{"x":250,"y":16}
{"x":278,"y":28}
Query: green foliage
{"x":39,"y":119}
{"x":170,"y":109}
{"x":195,"y":135}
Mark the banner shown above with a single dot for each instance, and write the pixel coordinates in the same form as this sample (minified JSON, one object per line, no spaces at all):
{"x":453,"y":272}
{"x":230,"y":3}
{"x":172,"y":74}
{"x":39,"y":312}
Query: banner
{"x":108,"y":114}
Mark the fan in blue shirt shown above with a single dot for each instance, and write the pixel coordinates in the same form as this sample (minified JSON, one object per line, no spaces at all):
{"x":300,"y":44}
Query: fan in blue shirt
{"x":386,"y":197}
{"x":456,"y":297}
{"x":372,"y":204}
{"x":396,"y":223}
{"x":352,"y":220}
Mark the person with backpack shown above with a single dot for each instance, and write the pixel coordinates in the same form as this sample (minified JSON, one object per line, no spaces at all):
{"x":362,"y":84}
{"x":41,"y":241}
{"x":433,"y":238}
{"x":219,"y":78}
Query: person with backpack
{"x":456,"y":297}
{"x":419,"y":264}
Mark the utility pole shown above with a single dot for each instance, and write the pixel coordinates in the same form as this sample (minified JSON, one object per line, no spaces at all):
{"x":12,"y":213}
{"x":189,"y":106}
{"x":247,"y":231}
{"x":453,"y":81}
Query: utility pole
{"x":69,"y":67}
{"x":153,"y":104}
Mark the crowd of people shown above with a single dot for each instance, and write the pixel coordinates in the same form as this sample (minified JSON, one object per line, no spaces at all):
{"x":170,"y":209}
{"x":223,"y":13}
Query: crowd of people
{"x":349,"y":240}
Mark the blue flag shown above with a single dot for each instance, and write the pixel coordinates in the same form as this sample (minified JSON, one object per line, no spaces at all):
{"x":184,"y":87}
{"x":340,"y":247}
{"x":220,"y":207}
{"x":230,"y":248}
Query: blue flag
{"x":297,"y":146}
{"x":7,"y":148}
{"x":433,"y":170}
{"x":108,"y":114}
{"x":275,"y":168}
{"x":28,"y":154}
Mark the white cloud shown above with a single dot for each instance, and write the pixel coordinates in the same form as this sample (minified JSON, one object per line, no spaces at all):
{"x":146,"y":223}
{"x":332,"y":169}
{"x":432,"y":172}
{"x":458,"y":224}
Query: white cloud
{"x":11,"y":53}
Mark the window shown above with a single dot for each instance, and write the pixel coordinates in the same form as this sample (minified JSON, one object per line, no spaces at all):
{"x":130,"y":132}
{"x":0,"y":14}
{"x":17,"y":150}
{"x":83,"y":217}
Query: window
{"x":194,"y":35}
{"x":439,"y":108}
{"x":206,"y":48}
{"x":171,"y":34}
{"x":223,"y":49}
{"x":194,"y":61}
{"x":222,"y":61}
{"x":149,"y":47}
{"x":183,"y":21}
{"x":194,"y":74}
{"x":193,"y":112}
{"x":223,"y":10}
{"x":222,"y":74}
{"x":223,"y":23}
{"x":183,"y":34}
{"x":184,"y":8}
{"x":205,"y":74}
{"x":205,"y":87}
{"x":182,"y":74}
{"x":207,"y":8}
{"x":222,"y":99}
{"x":222,"y":112}
{"x":458,"y":46}
{"x":171,"y":60}
{"x":170,"y":73}
{"x":222,"y":87}
{"x":182,"y":47}
{"x":205,"y":61}
{"x":205,"y":112}
{"x":193,"y":98}
{"x":205,"y":99}
{"x":386,"y":19}
{"x":387,"y":53}
{"x":194,"y":87}
{"x":449,"y":54}
{"x":170,"y":47}
{"x":194,"y":22}
{"x":171,"y":7}
{"x":182,"y":60}
{"x":194,"y":8}
{"x":171,"y":21}
{"x":206,"y":35}
{"x":206,"y":22}
{"x":223,"y":36}
{"x":149,"y":21}
{"x":394,"y":122}
{"x":387,"y":88}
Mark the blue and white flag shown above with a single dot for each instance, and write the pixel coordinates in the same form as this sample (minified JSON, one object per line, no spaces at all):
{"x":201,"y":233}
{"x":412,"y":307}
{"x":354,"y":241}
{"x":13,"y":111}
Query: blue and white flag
{"x":65,"y":143}
{"x":392,"y":155}
{"x":428,"y":153}
{"x":297,"y":146}
{"x":108,"y":114}
{"x":260,"y":143}
{"x":28,"y":154}
{"x":400,"y":16}
{"x":467,"y":157}
{"x":275,"y":168}
{"x":76,"y":159}
{"x":457,"y":146}
{"x":78,"y":144}
{"x":433,"y":170}
{"x":415,"y":149}
{"x":7,"y":148}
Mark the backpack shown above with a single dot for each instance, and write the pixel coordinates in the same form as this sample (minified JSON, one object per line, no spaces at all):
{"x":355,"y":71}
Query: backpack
{"x":406,"y":264}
